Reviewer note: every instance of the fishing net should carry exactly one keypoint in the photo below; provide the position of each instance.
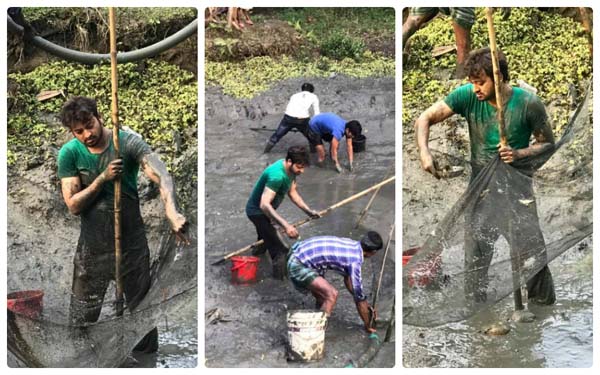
(503, 231)
(68, 332)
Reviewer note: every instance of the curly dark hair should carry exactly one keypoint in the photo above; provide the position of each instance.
(480, 60)
(77, 110)
(298, 155)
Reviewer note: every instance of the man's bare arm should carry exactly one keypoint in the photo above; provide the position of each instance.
(438, 112)
(156, 171)
(432, 115)
(299, 202)
(544, 139)
(350, 150)
(267, 208)
(77, 199)
(335, 144)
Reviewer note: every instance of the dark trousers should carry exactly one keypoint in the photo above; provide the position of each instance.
(288, 123)
(481, 232)
(267, 232)
(94, 265)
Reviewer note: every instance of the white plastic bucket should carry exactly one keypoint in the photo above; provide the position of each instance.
(306, 335)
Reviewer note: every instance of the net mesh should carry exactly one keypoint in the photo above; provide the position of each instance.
(503, 231)
(164, 283)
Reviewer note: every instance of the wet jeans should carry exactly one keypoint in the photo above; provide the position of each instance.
(288, 123)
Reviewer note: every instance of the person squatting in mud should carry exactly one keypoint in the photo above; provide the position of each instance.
(308, 260)
(87, 169)
(330, 127)
(525, 116)
(274, 183)
(296, 115)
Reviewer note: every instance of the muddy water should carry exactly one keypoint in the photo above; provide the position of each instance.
(561, 335)
(256, 333)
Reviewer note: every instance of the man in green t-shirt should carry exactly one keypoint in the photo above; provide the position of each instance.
(525, 116)
(273, 184)
(87, 168)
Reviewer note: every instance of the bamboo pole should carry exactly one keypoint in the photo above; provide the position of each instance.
(117, 181)
(364, 211)
(497, 84)
(515, 257)
(306, 220)
(376, 296)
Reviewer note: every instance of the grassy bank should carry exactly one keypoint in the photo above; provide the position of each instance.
(156, 99)
(548, 51)
(300, 42)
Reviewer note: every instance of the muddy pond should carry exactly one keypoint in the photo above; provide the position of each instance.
(252, 330)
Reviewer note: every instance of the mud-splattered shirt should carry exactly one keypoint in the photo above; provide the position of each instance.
(342, 255)
(524, 113)
(75, 160)
(276, 179)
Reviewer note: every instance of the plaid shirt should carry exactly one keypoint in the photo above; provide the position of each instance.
(342, 255)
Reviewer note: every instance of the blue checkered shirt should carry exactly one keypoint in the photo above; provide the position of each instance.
(342, 255)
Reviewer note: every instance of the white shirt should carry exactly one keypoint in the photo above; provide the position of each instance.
(300, 103)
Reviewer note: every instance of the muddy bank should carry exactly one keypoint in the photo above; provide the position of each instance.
(256, 335)
(86, 30)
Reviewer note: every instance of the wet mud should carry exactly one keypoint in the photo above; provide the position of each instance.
(253, 330)
(561, 334)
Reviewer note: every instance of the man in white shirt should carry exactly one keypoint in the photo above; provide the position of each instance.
(296, 114)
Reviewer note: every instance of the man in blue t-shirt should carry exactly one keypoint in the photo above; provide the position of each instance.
(330, 127)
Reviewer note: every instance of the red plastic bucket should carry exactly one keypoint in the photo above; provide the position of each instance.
(424, 273)
(243, 269)
(27, 302)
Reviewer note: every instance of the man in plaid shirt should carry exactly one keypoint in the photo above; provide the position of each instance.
(308, 261)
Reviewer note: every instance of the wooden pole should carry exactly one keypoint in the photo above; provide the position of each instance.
(364, 211)
(117, 181)
(515, 258)
(304, 221)
(497, 84)
(376, 296)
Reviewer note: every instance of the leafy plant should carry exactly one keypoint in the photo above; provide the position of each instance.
(157, 100)
(340, 46)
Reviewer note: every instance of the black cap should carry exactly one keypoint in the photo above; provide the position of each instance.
(371, 241)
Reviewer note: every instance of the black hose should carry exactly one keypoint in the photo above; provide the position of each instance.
(96, 58)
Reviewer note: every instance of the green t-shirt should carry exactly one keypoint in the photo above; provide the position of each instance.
(524, 113)
(74, 159)
(275, 178)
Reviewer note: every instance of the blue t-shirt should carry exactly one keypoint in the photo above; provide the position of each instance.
(328, 123)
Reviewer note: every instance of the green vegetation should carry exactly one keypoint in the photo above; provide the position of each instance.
(353, 22)
(249, 77)
(339, 46)
(546, 50)
(156, 99)
(318, 42)
(149, 15)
